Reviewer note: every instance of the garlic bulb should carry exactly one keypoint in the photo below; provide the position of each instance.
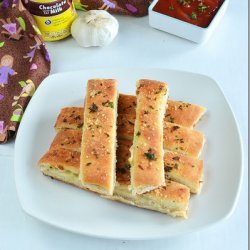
(94, 28)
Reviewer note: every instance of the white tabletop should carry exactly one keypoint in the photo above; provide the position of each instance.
(223, 57)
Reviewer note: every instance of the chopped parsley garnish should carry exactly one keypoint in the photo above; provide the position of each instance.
(185, 2)
(93, 108)
(150, 156)
(108, 104)
(193, 16)
(202, 7)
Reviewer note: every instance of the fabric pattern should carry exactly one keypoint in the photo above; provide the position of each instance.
(24, 63)
(125, 7)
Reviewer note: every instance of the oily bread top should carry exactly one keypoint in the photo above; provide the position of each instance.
(98, 152)
(147, 166)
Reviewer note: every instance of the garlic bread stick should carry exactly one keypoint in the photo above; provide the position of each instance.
(147, 165)
(98, 149)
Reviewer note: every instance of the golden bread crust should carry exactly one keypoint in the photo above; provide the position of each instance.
(172, 200)
(184, 114)
(183, 140)
(98, 152)
(172, 190)
(179, 112)
(62, 159)
(147, 166)
(184, 169)
(69, 139)
(70, 118)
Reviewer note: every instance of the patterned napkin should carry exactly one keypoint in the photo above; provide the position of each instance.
(126, 7)
(24, 63)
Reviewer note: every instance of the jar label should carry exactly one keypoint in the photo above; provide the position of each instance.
(54, 18)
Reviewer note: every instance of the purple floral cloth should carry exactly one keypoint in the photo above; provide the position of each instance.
(5, 71)
(24, 63)
(125, 7)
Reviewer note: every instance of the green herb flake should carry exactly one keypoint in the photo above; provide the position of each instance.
(93, 108)
(138, 133)
(202, 7)
(193, 16)
(185, 2)
(108, 104)
(150, 156)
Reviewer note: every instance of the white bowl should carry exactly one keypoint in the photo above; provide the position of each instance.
(183, 29)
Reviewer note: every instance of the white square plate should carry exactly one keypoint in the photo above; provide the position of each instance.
(80, 211)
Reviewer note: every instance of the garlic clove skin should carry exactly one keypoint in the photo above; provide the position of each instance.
(94, 28)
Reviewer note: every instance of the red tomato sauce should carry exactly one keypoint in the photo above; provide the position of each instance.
(197, 12)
